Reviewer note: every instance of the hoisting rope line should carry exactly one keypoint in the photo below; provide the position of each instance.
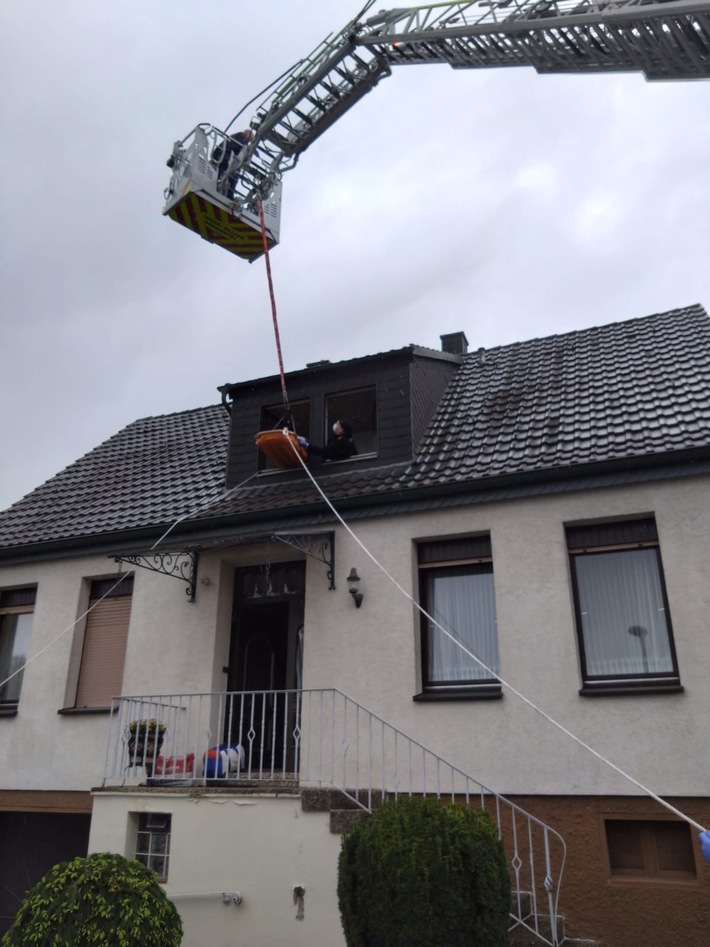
(223, 495)
(459, 644)
(284, 393)
(91, 607)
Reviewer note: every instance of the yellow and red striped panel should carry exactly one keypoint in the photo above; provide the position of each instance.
(215, 224)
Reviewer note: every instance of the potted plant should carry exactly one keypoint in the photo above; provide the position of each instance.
(145, 738)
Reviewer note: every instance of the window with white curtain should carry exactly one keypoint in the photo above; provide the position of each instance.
(456, 590)
(623, 624)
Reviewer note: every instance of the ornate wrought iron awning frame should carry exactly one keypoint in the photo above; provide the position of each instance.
(178, 565)
(320, 546)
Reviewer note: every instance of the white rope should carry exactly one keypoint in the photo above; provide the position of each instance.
(407, 595)
(223, 496)
(504, 683)
(66, 631)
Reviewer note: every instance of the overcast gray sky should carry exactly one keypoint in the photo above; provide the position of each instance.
(500, 202)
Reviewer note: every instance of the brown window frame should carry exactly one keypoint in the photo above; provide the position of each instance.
(468, 555)
(651, 837)
(14, 601)
(103, 651)
(618, 538)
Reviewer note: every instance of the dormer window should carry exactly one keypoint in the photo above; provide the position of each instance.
(359, 407)
(388, 401)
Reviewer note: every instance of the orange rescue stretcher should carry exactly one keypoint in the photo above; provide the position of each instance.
(278, 447)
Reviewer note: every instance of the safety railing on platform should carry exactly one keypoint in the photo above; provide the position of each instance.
(321, 738)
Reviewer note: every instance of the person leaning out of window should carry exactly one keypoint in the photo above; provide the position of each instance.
(340, 444)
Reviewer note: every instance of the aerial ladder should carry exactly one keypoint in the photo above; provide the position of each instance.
(228, 190)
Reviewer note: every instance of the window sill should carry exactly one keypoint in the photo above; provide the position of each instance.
(370, 455)
(83, 711)
(624, 690)
(633, 880)
(483, 692)
(9, 710)
(321, 464)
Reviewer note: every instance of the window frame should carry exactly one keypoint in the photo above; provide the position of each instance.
(93, 638)
(650, 849)
(331, 416)
(618, 537)
(11, 604)
(472, 553)
(151, 832)
(274, 412)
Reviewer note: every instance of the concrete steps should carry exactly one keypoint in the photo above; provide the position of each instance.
(344, 812)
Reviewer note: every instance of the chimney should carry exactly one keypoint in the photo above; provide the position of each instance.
(455, 343)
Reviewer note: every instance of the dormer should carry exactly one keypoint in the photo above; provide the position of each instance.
(388, 398)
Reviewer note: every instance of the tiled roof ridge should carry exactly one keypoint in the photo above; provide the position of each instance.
(629, 389)
(59, 485)
(168, 414)
(120, 434)
(694, 309)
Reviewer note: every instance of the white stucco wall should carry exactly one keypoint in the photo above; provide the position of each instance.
(261, 846)
(172, 646)
(371, 653)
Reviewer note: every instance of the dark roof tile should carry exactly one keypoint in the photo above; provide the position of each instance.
(616, 392)
(149, 473)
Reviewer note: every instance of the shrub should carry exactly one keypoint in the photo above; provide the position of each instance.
(103, 900)
(419, 873)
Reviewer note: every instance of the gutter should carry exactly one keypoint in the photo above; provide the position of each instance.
(193, 533)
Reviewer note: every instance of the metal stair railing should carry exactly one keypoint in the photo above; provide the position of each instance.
(321, 738)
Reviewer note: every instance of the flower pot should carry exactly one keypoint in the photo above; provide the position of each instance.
(144, 746)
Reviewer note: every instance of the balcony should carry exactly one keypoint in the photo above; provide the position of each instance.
(320, 739)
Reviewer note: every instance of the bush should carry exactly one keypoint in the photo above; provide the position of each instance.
(103, 900)
(419, 873)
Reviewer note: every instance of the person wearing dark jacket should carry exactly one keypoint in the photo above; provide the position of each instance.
(223, 154)
(340, 444)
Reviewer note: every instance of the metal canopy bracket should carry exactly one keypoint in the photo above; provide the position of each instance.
(320, 546)
(178, 565)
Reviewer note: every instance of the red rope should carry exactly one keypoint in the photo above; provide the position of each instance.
(265, 241)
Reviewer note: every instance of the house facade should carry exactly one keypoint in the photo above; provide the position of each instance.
(500, 599)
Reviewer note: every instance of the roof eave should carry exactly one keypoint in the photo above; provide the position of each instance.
(192, 532)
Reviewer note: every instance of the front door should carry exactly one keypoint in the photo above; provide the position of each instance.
(264, 664)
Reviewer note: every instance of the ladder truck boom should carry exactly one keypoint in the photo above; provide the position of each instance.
(218, 198)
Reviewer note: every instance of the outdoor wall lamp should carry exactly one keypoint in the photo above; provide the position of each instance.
(352, 581)
(231, 897)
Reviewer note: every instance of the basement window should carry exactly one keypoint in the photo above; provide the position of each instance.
(654, 850)
(153, 842)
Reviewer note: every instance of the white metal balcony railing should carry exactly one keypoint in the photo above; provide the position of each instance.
(322, 738)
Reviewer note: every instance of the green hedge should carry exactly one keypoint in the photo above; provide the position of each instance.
(103, 900)
(419, 873)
